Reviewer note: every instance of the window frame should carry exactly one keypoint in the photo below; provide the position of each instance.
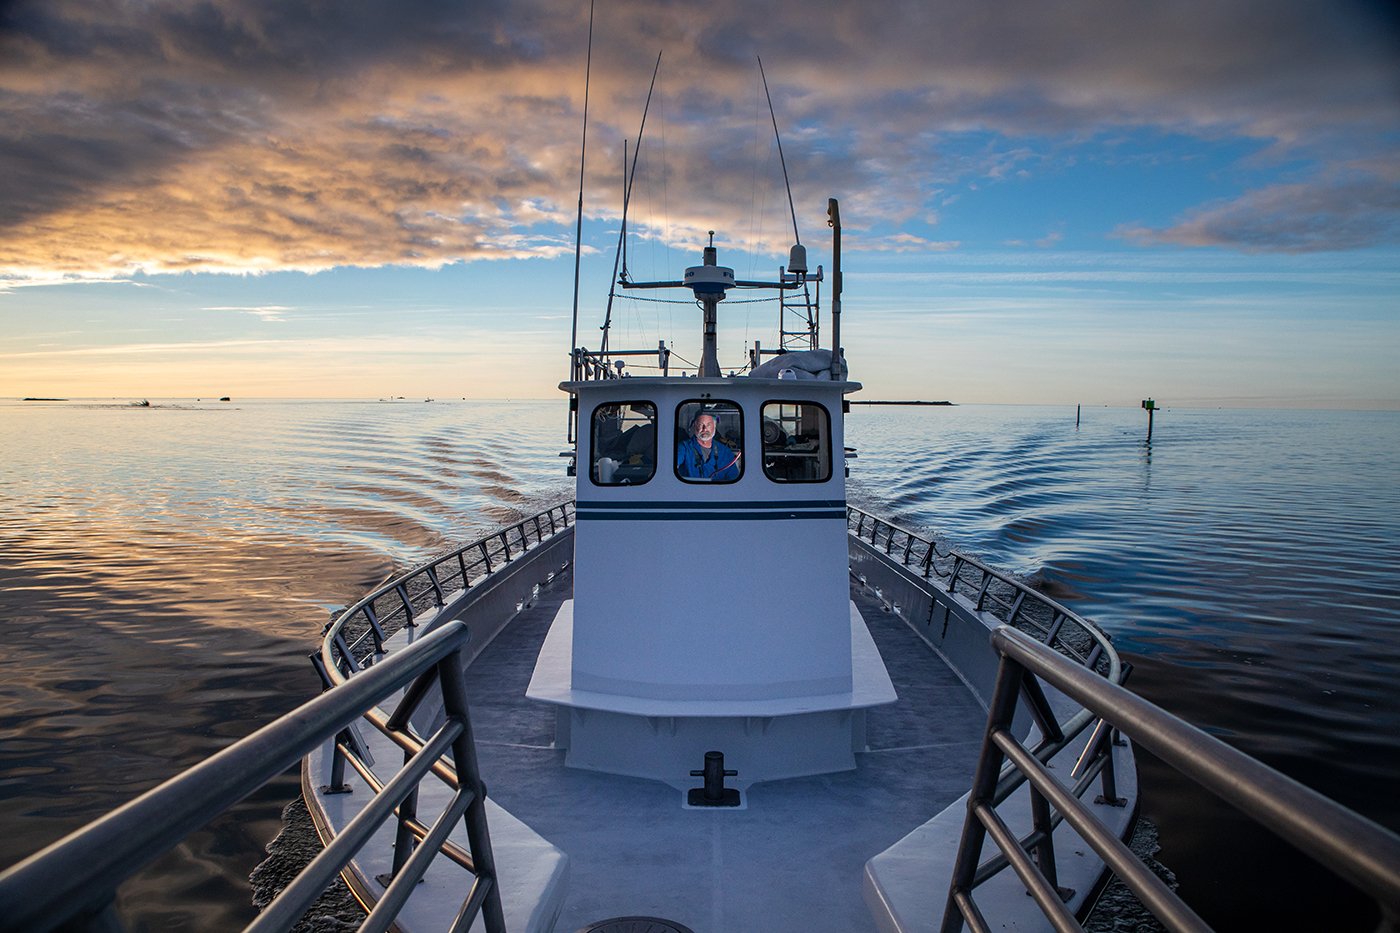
(706, 402)
(593, 441)
(830, 470)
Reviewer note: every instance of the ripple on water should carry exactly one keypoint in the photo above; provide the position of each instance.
(166, 574)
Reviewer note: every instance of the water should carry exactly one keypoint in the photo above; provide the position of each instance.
(166, 570)
(1246, 562)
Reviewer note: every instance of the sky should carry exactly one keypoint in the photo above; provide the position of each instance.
(1071, 202)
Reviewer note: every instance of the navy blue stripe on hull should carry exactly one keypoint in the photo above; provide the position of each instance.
(751, 506)
(627, 515)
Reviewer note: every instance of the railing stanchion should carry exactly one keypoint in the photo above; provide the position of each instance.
(437, 587)
(984, 782)
(404, 839)
(1044, 849)
(1016, 608)
(337, 783)
(454, 696)
(982, 590)
(347, 656)
(402, 590)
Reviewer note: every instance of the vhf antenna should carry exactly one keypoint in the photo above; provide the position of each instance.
(578, 230)
(626, 200)
(781, 161)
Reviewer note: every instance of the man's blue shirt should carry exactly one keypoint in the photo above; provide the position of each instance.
(721, 465)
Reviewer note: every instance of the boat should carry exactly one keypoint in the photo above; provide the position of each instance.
(709, 694)
(700, 701)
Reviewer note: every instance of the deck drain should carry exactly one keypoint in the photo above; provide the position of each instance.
(636, 925)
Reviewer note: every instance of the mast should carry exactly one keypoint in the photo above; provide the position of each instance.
(709, 299)
(578, 224)
(626, 202)
(838, 362)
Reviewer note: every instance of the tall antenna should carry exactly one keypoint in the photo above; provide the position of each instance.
(795, 235)
(626, 200)
(578, 227)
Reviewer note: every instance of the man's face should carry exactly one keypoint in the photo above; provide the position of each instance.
(705, 429)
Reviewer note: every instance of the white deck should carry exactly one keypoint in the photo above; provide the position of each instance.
(792, 859)
(848, 851)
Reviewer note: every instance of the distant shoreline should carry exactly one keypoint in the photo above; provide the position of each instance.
(895, 402)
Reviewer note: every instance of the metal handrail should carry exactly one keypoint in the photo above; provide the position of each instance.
(356, 638)
(72, 884)
(591, 366)
(948, 575)
(991, 591)
(1360, 851)
(356, 641)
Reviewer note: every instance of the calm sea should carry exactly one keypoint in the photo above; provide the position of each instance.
(164, 572)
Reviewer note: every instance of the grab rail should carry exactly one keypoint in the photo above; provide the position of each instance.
(591, 366)
(989, 590)
(72, 884)
(1362, 852)
(356, 638)
(949, 576)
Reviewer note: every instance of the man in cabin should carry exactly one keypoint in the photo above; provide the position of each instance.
(701, 456)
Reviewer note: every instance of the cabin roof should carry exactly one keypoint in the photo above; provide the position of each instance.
(790, 386)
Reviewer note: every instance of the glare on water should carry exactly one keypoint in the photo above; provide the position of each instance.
(166, 570)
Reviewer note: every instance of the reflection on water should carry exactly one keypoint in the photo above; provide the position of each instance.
(167, 569)
(1249, 567)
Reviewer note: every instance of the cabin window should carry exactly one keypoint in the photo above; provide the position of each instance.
(624, 444)
(709, 441)
(796, 442)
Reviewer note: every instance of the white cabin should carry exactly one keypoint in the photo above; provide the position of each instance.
(710, 612)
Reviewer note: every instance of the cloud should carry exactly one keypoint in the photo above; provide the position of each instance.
(231, 135)
(1049, 241)
(900, 243)
(268, 313)
(1348, 210)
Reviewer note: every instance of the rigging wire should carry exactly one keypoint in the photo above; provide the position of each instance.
(583, 152)
(665, 191)
(626, 199)
(578, 227)
(786, 184)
